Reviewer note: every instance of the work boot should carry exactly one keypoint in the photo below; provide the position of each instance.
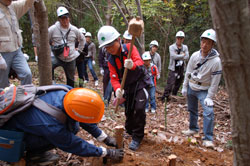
(42, 159)
(96, 82)
(134, 145)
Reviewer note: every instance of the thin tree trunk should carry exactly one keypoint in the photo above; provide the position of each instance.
(44, 59)
(142, 38)
(231, 22)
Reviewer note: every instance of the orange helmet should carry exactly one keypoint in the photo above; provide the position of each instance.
(84, 105)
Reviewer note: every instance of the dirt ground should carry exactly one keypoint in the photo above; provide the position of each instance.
(162, 134)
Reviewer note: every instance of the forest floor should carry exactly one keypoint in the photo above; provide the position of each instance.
(160, 141)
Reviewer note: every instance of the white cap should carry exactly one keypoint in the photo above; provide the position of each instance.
(62, 11)
(146, 56)
(210, 34)
(153, 43)
(180, 34)
(127, 36)
(88, 34)
(82, 30)
(106, 35)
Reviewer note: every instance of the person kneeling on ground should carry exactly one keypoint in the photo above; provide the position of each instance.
(44, 132)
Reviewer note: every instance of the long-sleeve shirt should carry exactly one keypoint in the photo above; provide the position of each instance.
(184, 55)
(10, 34)
(209, 73)
(103, 58)
(41, 129)
(56, 38)
(156, 60)
(91, 50)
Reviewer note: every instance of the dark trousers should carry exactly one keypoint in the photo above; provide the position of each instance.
(106, 79)
(174, 82)
(135, 114)
(68, 67)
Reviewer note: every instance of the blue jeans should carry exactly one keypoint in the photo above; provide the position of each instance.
(151, 98)
(89, 62)
(208, 113)
(18, 63)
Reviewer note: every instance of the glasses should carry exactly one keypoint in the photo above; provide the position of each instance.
(110, 44)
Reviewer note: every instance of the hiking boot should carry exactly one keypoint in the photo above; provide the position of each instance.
(208, 144)
(189, 132)
(153, 110)
(96, 82)
(42, 159)
(134, 145)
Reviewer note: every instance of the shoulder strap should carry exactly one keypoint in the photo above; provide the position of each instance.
(51, 87)
(200, 64)
(50, 109)
(66, 35)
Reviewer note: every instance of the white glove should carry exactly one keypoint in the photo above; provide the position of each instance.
(119, 93)
(3, 65)
(93, 63)
(128, 63)
(158, 77)
(36, 58)
(26, 57)
(102, 72)
(208, 102)
(184, 91)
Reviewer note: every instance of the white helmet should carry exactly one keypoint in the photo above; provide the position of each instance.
(82, 30)
(106, 35)
(127, 36)
(62, 11)
(153, 43)
(210, 34)
(88, 34)
(146, 56)
(180, 34)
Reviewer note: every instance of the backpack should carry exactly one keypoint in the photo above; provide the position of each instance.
(15, 99)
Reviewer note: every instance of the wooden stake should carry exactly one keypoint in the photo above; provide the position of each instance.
(172, 160)
(119, 136)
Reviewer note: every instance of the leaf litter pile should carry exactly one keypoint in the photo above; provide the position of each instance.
(160, 141)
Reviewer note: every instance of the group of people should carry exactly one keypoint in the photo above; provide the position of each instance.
(43, 132)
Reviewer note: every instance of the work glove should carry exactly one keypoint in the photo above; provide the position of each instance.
(115, 153)
(26, 57)
(119, 93)
(158, 77)
(110, 141)
(184, 91)
(208, 102)
(102, 72)
(3, 65)
(128, 63)
(36, 58)
(93, 63)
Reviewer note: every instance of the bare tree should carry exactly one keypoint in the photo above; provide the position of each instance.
(231, 22)
(44, 59)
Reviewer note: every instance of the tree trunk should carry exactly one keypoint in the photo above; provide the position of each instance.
(43, 48)
(231, 22)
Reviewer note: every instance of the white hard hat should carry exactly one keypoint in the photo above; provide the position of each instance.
(146, 56)
(82, 30)
(210, 34)
(62, 11)
(106, 35)
(180, 34)
(127, 36)
(88, 34)
(153, 43)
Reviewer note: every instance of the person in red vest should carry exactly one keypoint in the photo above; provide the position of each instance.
(137, 81)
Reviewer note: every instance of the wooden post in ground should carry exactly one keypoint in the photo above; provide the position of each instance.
(172, 160)
(119, 136)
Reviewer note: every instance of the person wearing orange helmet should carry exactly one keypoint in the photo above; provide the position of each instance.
(44, 132)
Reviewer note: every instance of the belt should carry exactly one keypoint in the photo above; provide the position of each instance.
(199, 83)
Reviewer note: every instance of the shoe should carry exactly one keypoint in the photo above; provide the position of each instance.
(146, 110)
(96, 82)
(189, 132)
(208, 144)
(134, 145)
(42, 159)
(153, 111)
(85, 81)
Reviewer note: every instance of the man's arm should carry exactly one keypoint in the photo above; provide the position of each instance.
(81, 39)
(135, 56)
(174, 55)
(186, 53)
(114, 78)
(21, 7)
